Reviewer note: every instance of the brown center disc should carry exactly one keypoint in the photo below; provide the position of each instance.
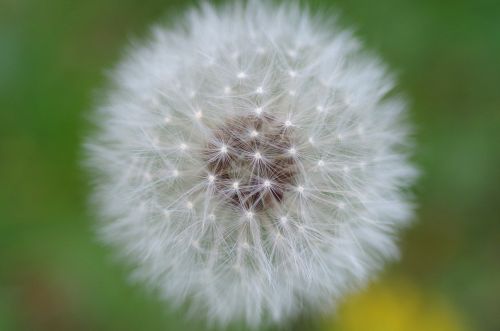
(250, 158)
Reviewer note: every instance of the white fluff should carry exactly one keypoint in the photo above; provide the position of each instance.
(334, 227)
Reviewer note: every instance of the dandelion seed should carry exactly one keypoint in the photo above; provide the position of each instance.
(283, 220)
(292, 53)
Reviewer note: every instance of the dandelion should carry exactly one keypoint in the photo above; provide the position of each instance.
(395, 305)
(250, 161)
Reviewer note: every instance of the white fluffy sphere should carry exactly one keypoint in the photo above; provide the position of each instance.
(250, 160)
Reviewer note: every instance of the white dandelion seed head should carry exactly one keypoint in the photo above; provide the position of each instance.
(251, 161)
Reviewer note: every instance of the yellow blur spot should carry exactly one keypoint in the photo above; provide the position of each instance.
(394, 306)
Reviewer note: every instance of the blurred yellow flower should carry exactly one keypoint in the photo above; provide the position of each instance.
(394, 306)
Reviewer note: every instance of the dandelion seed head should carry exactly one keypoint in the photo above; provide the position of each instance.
(251, 162)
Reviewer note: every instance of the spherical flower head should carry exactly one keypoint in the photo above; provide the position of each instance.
(249, 160)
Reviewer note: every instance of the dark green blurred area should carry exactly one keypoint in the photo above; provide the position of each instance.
(53, 56)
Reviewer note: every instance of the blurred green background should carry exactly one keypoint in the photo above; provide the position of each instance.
(55, 276)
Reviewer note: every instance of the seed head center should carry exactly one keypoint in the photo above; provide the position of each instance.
(261, 164)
